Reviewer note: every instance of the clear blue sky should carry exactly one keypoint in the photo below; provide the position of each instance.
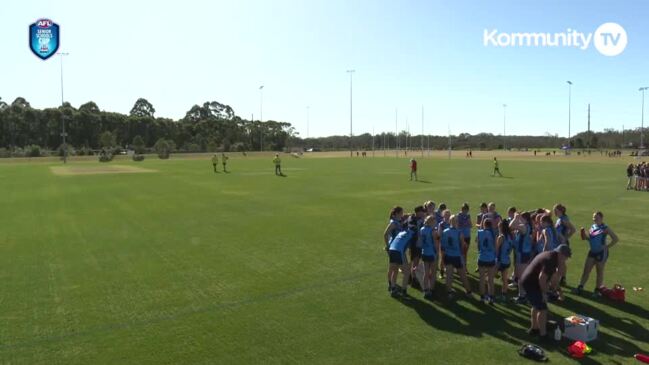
(406, 54)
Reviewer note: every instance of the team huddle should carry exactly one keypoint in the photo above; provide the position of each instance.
(530, 245)
(638, 177)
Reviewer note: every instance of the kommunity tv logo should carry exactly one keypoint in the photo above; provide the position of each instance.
(610, 39)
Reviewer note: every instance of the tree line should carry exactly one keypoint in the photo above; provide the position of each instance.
(213, 126)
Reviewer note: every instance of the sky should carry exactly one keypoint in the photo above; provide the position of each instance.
(407, 56)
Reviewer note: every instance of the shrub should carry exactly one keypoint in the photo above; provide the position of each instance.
(33, 151)
(162, 148)
(105, 156)
(138, 158)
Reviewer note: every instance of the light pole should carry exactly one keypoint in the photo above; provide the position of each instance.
(569, 106)
(504, 127)
(307, 121)
(422, 131)
(63, 133)
(351, 103)
(642, 120)
(261, 118)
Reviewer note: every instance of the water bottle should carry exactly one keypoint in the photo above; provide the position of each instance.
(557, 334)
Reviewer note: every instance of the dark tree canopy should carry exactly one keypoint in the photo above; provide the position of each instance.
(142, 108)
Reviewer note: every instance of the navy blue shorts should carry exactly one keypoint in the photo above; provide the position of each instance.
(523, 258)
(598, 256)
(396, 257)
(503, 267)
(535, 299)
(415, 252)
(456, 261)
(486, 263)
(428, 258)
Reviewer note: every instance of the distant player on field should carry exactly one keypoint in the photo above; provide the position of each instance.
(215, 161)
(278, 165)
(496, 168)
(224, 160)
(413, 169)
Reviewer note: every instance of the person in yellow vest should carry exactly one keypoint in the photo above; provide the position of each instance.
(278, 165)
(224, 160)
(215, 161)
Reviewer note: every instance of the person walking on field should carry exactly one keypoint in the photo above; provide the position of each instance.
(413, 169)
(496, 168)
(224, 160)
(278, 165)
(215, 161)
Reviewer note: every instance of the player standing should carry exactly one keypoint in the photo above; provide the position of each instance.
(598, 254)
(413, 169)
(451, 245)
(215, 161)
(224, 161)
(278, 165)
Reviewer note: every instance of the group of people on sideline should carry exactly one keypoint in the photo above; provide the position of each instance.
(637, 176)
(527, 250)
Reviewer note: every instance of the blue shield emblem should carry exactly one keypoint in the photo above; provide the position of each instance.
(44, 38)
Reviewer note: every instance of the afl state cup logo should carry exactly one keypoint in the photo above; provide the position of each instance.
(44, 38)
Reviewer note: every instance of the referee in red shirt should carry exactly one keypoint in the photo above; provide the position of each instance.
(413, 169)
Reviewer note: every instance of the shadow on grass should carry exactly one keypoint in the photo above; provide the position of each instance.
(476, 319)
(424, 181)
(626, 328)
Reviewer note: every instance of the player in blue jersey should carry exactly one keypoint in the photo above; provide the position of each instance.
(395, 225)
(429, 248)
(522, 228)
(481, 214)
(451, 245)
(442, 223)
(464, 224)
(486, 242)
(398, 260)
(598, 254)
(416, 219)
(439, 214)
(504, 246)
(564, 227)
(549, 235)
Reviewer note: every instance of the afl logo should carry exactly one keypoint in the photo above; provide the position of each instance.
(44, 23)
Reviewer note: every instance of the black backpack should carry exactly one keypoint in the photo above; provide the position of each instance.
(533, 352)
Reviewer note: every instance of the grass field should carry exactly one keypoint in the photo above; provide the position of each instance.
(184, 266)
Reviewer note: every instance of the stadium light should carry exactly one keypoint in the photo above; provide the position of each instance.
(351, 103)
(63, 133)
(642, 89)
(261, 118)
(569, 105)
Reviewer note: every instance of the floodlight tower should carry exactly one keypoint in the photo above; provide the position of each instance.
(569, 106)
(351, 103)
(642, 89)
(63, 133)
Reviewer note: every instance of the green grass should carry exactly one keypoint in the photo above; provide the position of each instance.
(187, 266)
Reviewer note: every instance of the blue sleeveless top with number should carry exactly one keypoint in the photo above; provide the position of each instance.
(427, 241)
(597, 237)
(451, 242)
(524, 241)
(400, 242)
(395, 231)
(464, 223)
(554, 240)
(487, 246)
(560, 225)
(505, 250)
